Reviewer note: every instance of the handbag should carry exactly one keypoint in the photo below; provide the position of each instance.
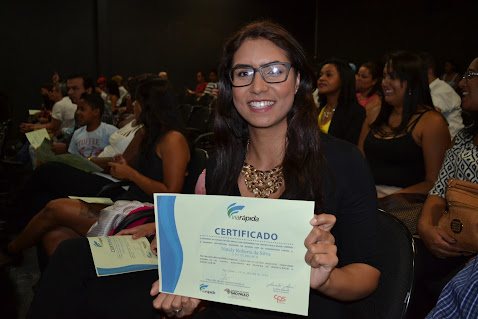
(111, 216)
(404, 206)
(460, 220)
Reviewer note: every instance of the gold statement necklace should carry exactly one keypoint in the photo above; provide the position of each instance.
(262, 183)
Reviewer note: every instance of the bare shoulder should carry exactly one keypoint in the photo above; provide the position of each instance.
(433, 125)
(173, 142)
(172, 137)
(433, 118)
(372, 114)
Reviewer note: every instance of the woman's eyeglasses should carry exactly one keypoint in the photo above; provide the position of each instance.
(469, 75)
(274, 72)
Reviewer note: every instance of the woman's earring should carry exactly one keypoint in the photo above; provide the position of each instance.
(410, 92)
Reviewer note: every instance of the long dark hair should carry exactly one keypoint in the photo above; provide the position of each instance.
(303, 154)
(376, 74)
(408, 67)
(159, 111)
(347, 95)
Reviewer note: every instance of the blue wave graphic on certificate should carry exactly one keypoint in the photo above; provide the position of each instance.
(124, 269)
(170, 245)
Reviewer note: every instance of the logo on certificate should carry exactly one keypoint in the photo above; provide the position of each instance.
(280, 299)
(202, 288)
(233, 210)
(237, 294)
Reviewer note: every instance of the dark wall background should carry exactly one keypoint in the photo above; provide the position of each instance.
(106, 37)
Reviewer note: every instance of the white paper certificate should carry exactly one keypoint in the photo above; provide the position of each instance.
(36, 137)
(235, 250)
(115, 255)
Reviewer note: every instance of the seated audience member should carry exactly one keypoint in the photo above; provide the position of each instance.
(101, 87)
(77, 85)
(45, 108)
(340, 114)
(201, 86)
(405, 140)
(444, 98)
(211, 87)
(451, 77)
(122, 90)
(112, 94)
(160, 167)
(458, 298)
(368, 85)
(461, 162)
(54, 180)
(287, 139)
(63, 113)
(93, 135)
(210, 93)
(44, 91)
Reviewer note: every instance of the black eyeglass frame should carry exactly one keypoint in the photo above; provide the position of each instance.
(259, 69)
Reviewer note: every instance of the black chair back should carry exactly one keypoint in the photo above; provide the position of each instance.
(185, 112)
(397, 261)
(196, 165)
(199, 118)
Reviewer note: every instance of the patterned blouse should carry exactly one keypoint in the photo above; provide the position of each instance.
(461, 162)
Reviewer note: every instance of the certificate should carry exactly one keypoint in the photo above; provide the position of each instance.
(36, 137)
(236, 250)
(115, 255)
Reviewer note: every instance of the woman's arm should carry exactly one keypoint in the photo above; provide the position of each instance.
(371, 116)
(434, 138)
(435, 239)
(174, 151)
(102, 162)
(52, 126)
(132, 150)
(129, 154)
(374, 104)
(352, 282)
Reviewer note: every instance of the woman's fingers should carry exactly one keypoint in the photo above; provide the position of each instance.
(323, 221)
(173, 305)
(317, 236)
(154, 246)
(154, 288)
(129, 231)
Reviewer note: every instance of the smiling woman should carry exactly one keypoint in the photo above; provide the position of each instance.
(265, 124)
(340, 113)
(405, 140)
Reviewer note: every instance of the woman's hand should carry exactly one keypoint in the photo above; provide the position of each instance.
(139, 231)
(121, 171)
(172, 305)
(321, 250)
(438, 242)
(435, 239)
(154, 246)
(27, 127)
(118, 158)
